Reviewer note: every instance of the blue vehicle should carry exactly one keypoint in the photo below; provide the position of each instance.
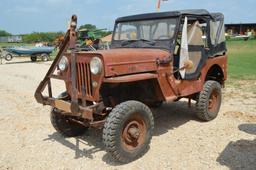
(33, 52)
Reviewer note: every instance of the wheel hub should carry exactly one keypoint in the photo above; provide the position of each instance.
(212, 103)
(133, 134)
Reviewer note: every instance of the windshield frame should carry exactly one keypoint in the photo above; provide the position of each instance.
(167, 44)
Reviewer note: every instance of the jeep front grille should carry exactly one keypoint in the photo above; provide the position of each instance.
(84, 81)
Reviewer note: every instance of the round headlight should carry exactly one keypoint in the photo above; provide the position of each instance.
(96, 65)
(63, 64)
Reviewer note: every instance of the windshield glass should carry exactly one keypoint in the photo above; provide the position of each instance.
(151, 30)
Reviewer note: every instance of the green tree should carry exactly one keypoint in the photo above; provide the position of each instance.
(41, 37)
(4, 33)
(88, 27)
(93, 31)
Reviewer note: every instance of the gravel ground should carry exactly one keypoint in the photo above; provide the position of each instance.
(180, 141)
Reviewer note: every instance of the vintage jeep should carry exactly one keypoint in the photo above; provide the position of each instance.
(154, 58)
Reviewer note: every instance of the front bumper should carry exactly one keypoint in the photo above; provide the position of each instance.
(84, 112)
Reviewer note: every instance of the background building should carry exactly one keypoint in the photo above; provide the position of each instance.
(13, 38)
(241, 29)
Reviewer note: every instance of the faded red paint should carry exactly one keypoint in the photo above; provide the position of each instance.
(122, 66)
(128, 61)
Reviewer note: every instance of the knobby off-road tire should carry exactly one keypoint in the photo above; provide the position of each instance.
(209, 101)
(128, 131)
(64, 125)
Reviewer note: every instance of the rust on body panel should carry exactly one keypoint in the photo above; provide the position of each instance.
(187, 87)
(116, 64)
(128, 61)
(69, 42)
(130, 78)
(220, 61)
(167, 91)
(84, 77)
(172, 88)
(65, 106)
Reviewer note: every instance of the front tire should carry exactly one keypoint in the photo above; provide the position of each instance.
(33, 58)
(128, 131)
(209, 101)
(64, 124)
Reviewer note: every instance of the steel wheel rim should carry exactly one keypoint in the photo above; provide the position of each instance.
(213, 101)
(133, 133)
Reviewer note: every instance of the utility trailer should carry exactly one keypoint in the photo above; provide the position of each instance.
(33, 52)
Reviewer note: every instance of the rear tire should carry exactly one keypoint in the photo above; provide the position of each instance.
(65, 126)
(128, 131)
(45, 57)
(8, 57)
(209, 101)
(33, 58)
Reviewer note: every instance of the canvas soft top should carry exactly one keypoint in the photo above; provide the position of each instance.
(158, 15)
(217, 16)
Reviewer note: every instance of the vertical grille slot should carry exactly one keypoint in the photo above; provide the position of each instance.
(83, 81)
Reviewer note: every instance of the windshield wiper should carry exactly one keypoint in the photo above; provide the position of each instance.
(126, 42)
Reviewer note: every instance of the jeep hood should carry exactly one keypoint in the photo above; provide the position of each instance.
(129, 61)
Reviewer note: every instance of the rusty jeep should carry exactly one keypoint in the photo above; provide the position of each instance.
(154, 58)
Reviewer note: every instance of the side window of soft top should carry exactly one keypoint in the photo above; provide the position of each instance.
(217, 32)
(197, 34)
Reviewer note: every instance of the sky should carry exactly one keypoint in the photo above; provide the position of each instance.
(26, 16)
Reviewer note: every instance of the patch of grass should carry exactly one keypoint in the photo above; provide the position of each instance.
(242, 59)
(14, 44)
